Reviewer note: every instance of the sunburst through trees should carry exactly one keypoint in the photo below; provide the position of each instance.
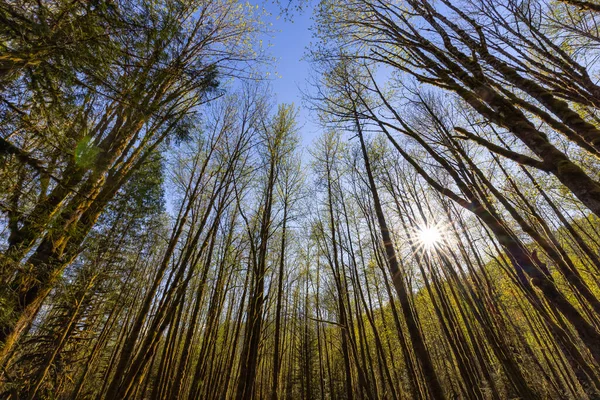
(429, 237)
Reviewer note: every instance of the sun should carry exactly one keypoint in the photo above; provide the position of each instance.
(429, 236)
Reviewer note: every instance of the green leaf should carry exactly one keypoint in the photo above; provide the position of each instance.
(86, 152)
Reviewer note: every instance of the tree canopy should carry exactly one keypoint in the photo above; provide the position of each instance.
(165, 234)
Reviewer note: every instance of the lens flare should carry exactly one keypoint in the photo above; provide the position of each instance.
(429, 236)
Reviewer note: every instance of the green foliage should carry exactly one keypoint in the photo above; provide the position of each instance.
(86, 152)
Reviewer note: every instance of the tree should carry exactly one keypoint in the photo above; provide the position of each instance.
(150, 94)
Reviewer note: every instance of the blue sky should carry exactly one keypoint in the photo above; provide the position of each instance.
(288, 45)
